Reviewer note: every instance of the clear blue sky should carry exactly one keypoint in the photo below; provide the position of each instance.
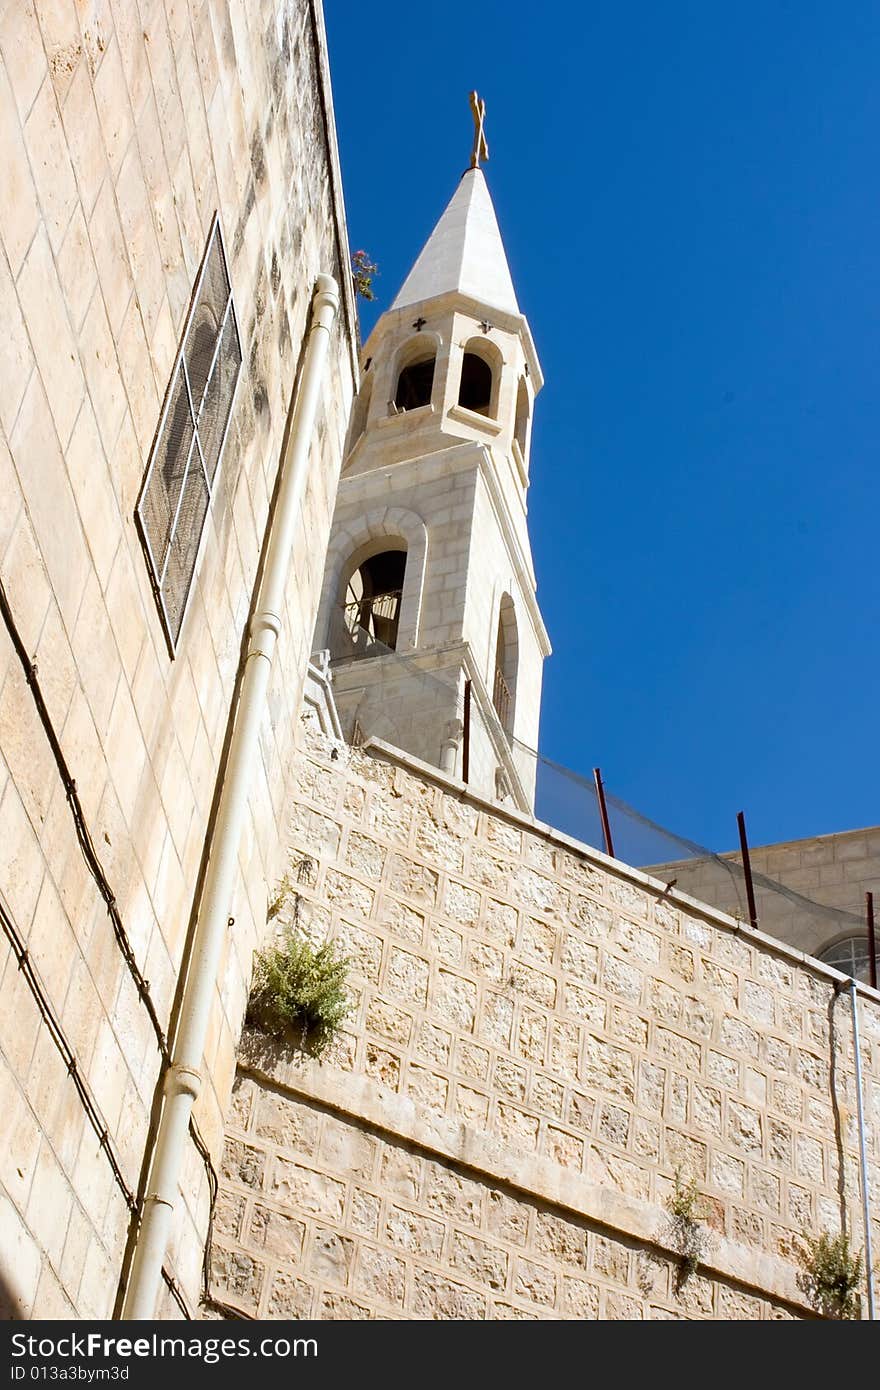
(689, 197)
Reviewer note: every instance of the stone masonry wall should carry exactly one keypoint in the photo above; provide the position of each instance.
(124, 126)
(324, 1216)
(541, 1039)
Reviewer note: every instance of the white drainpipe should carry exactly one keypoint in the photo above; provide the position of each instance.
(863, 1158)
(183, 1079)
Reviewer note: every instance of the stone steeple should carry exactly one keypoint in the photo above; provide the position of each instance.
(429, 598)
(464, 253)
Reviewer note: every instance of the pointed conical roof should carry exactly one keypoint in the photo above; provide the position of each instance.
(464, 252)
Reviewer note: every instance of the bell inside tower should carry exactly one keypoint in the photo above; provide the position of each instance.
(372, 601)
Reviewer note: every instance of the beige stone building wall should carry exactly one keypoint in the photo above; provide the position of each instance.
(124, 126)
(834, 871)
(541, 1038)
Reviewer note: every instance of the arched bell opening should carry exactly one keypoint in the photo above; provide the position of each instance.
(371, 604)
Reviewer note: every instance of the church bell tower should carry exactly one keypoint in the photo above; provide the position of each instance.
(428, 607)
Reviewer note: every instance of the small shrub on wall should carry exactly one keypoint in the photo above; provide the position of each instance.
(299, 994)
(831, 1275)
(685, 1231)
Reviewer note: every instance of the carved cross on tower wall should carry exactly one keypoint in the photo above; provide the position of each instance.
(481, 149)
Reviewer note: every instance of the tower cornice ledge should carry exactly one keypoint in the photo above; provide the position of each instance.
(480, 309)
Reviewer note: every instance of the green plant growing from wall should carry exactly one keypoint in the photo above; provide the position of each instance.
(299, 992)
(363, 271)
(685, 1230)
(283, 895)
(831, 1275)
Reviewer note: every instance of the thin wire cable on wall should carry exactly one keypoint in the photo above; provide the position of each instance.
(93, 863)
(89, 1104)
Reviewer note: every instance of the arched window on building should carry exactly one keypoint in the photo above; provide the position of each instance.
(850, 955)
(521, 427)
(506, 660)
(480, 376)
(371, 606)
(415, 382)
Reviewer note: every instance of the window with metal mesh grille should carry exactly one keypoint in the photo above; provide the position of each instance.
(182, 469)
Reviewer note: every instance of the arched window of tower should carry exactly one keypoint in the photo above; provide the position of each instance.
(506, 661)
(480, 381)
(415, 383)
(371, 606)
(477, 380)
(521, 428)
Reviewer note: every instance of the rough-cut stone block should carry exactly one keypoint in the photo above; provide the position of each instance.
(339, 1307)
(291, 1297)
(276, 1232)
(580, 958)
(452, 1194)
(286, 1123)
(402, 920)
(331, 1256)
(534, 1283)
(531, 1042)
(244, 1164)
(307, 1190)
(427, 1088)
(414, 1232)
(580, 1299)
(411, 880)
(744, 1128)
(364, 1211)
(237, 1277)
(381, 1276)
(738, 1037)
(347, 894)
(560, 1240)
(406, 976)
(478, 1260)
(535, 984)
(401, 1173)
(383, 1065)
(461, 904)
(365, 856)
(448, 945)
(439, 1298)
(614, 1125)
(609, 1069)
(500, 921)
(389, 1022)
(434, 1044)
(456, 1000)
(347, 1149)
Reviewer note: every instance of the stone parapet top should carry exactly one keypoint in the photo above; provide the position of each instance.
(367, 1101)
(379, 749)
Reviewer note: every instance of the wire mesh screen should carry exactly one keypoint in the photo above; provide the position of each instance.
(416, 702)
(176, 493)
(568, 802)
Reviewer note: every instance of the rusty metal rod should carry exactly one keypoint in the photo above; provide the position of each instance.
(466, 735)
(603, 812)
(747, 868)
(872, 940)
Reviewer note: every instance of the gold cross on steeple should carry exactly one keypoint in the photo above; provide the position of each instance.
(481, 149)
